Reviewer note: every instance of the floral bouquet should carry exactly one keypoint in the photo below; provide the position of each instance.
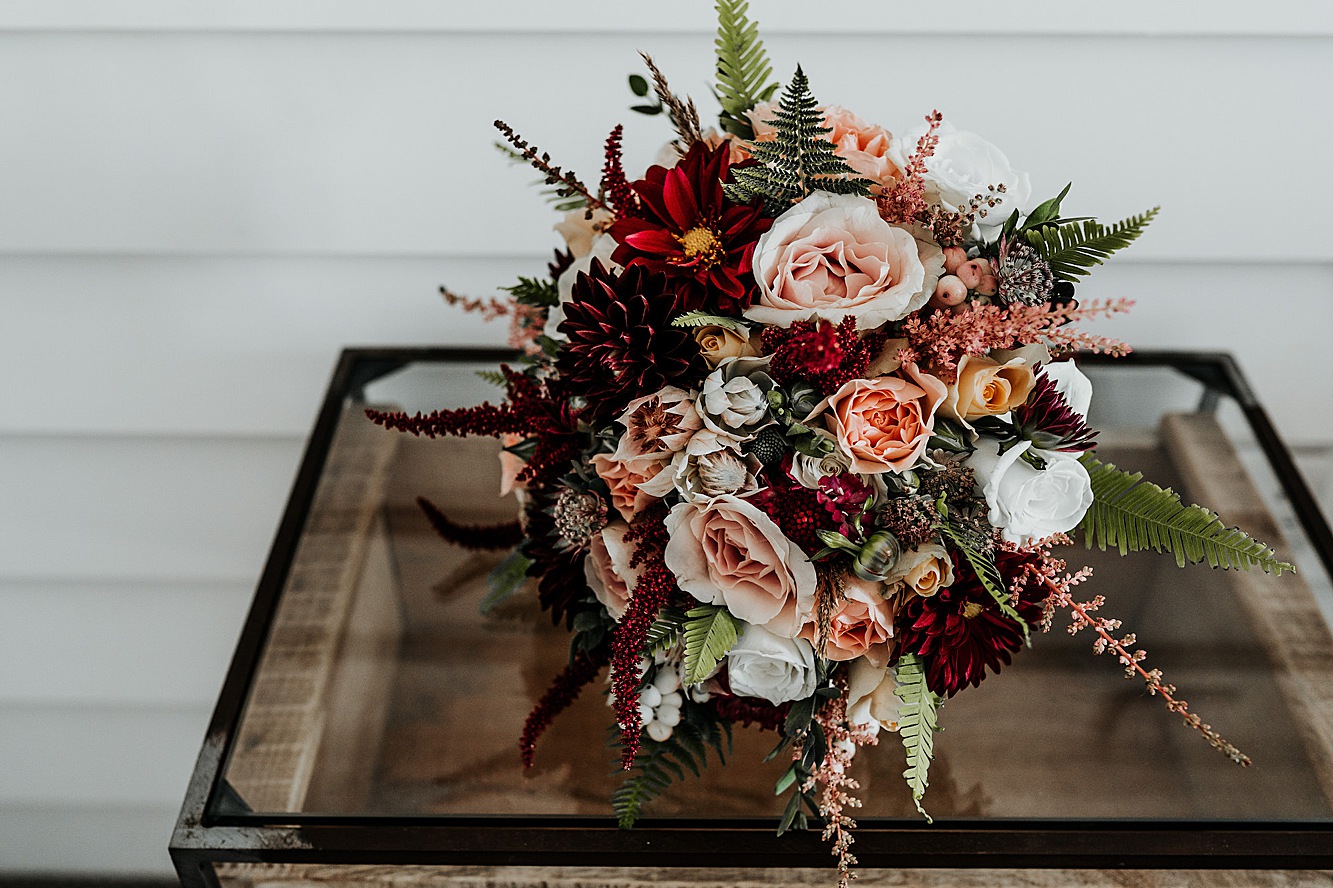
(795, 434)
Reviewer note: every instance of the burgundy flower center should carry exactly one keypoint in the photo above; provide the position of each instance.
(972, 610)
(651, 423)
(703, 245)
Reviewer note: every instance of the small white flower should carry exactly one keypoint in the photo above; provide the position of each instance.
(1027, 503)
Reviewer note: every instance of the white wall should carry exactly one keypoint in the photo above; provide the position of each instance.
(200, 204)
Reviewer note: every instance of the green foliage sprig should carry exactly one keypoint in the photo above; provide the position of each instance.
(658, 764)
(699, 318)
(710, 633)
(798, 161)
(504, 580)
(1073, 247)
(1132, 514)
(743, 71)
(918, 719)
(538, 292)
(666, 630)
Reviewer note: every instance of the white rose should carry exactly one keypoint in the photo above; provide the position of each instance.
(870, 698)
(765, 665)
(1026, 503)
(730, 402)
(807, 470)
(832, 256)
(1070, 382)
(963, 166)
(602, 247)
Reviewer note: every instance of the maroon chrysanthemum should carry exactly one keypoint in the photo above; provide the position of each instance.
(688, 230)
(959, 632)
(621, 342)
(1049, 423)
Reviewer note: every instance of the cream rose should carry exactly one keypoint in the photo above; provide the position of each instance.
(962, 166)
(607, 569)
(1027, 503)
(985, 387)
(579, 231)
(832, 256)
(861, 625)
(725, 551)
(884, 424)
(923, 571)
(771, 667)
(716, 344)
(871, 701)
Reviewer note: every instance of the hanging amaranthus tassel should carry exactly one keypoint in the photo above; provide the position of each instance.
(478, 537)
(564, 690)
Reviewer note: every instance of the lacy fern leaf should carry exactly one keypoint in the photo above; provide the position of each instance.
(1132, 514)
(917, 719)
(1073, 248)
(709, 635)
(991, 579)
(666, 630)
(704, 319)
(659, 764)
(798, 161)
(743, 71)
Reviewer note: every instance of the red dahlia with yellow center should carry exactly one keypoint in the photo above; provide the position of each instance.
(687, 230)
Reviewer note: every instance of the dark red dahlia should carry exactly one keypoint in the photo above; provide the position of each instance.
(1049, 423)
(959, 632)
(621, 342)
(686, 229)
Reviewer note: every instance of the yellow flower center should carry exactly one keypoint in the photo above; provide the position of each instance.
(972, 610)
(703, 244)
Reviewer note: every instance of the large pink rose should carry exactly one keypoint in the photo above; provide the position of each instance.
(862, 144)
(607, 569)
(725, 551)
(832, 256)
(625, 477)
(861, 625)
(883, 424)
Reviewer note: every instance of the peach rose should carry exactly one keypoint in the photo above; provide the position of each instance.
(832, 256)
(883, 424)
(624, 477)
(607, 569)
(579, 231)
(861, 625)
(922, 571)
(510, 465)
(985, 387)
(862, 144)
(716, 344)
(725, 551)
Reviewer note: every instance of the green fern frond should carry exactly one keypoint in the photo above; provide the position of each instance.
(743, 71)
(985, 569)
(539, 292)
(665, 630)
(1073, 248)
(659, 764)
(917, 719)
(1132, 514)
(700, 318)
(494, 377)
(709, 635)
(798, 161)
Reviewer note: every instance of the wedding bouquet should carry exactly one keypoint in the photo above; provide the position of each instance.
(795, 433)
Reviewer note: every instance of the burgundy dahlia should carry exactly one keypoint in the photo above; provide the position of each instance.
(1049, 423)
(687, 230)
(959, 632)
(621, 343)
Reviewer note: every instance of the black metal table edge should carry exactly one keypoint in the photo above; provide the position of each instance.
(202, 837)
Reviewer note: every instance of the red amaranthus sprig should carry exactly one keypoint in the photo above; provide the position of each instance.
(834, 785)
(564, 690)
(824, 354)
(1051, 571)
(478, 537)
(615, 185)
(942, 339)
(655, 589)
(746, 711)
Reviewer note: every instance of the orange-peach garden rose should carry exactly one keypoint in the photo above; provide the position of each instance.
(884, 424)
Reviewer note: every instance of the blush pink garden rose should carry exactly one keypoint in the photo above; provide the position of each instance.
(861, 625)
(625, 477)
(864, 145)
(832, 256)
(607, 569)
(725, 551)
(884, 424)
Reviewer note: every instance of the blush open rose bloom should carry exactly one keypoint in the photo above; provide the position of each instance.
(861, 625)
(884, 424)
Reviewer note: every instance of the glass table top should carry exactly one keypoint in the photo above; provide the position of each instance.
(376, 690)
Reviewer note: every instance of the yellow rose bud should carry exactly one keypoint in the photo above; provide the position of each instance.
(985, 387)
(716, 344)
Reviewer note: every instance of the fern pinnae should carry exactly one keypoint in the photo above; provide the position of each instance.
(710, 633)
(659, 764)
(699, 318)
(666, 630)
(989, 575)
(918, 717)
(1132, 514)
(743, 70)
(1074, 247)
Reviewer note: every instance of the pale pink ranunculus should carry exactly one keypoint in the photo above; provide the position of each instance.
(861, 625)
(864, 145)
(608, 570)
(725, 551)
(884, 424)
(624, 477)
(832, 256)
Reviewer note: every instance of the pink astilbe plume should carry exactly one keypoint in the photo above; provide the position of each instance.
(834, 785)
(489, 308)
(942, 339)
(905, 200)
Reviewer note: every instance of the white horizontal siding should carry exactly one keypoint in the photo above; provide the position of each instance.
(380, 144)
(1285, 17)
